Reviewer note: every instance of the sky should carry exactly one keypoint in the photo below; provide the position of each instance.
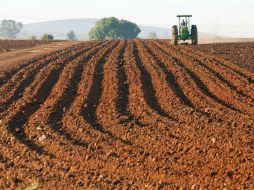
(233, 18)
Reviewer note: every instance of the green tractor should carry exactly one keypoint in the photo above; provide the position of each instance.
(184, 31)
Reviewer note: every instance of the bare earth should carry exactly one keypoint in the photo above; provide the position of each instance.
(134, 114)
(14, 57)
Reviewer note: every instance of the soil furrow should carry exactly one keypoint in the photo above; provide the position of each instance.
(66, 100)
(245, 84)
(123, 86)
(230, 79)
(200, 84)
(128, 114)
(60, 97)
(33, 64)
(93, 99)
(171, 80)
(32, 101)
(109, 96)
(185, 81)
(29, 75)
(216, 83)
(147, 85)
(226, 64)
(15, 125)
(107, 111)
(137, 103)
(166, 96)
(8, 74)
(74, 119)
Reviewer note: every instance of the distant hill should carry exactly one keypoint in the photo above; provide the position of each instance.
(60, 28)
(81, 27)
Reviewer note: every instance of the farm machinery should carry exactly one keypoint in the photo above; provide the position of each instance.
(184, 31)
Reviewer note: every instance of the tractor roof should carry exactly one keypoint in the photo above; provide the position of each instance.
(184, 15)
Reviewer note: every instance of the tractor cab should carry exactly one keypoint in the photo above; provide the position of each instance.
(184, 31)
(184, 26)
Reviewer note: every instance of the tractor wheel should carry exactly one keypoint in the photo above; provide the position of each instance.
(194, 34)
(174, 35)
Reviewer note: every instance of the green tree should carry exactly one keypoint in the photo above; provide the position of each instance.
(71, 35)
(152, 35)
(47, 37)
(10, 28)
(106, 27)
(114, 28)
(128, 29)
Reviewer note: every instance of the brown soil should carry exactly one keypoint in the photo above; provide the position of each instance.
(9, 45)
(239, 53)
(135, 114)
(19, 56)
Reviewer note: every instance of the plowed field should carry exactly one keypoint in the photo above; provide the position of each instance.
(135, 114)
(240, 53)
(6, 45)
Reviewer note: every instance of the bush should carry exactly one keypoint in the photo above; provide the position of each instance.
(47, 37)
(71, 35)
(152, 35)
(33, 38)
(112, 28)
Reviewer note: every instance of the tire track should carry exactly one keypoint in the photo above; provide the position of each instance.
(200, 84)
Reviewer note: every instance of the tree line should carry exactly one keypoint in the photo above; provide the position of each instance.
(10, 28)
(106, 28)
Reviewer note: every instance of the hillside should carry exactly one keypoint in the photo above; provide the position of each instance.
(81, 27)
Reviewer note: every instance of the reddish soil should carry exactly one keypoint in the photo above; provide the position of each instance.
(7, 45)
(239, 53)
(135, 114)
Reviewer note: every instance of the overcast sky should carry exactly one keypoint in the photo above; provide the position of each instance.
(223, 17)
